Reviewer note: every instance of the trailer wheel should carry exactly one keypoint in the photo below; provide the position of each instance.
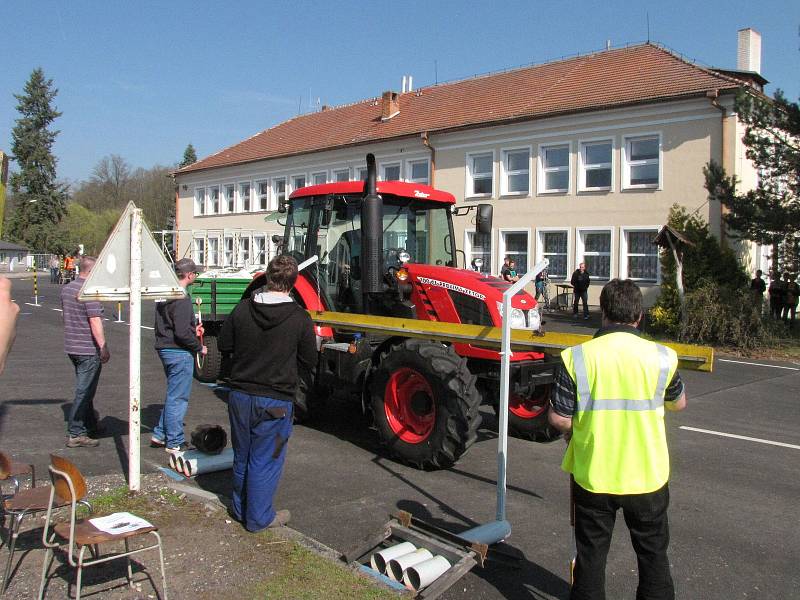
(424, 403)
(527, 417)
(207, 368)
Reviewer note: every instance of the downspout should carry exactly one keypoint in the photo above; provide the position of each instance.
(713, 96)
(426, 140)
(176, 244)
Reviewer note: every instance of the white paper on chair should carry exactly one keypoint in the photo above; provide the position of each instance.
(121, 522)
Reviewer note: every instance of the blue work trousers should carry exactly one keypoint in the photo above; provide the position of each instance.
(82, 419)
(259, 436)
(178, 367)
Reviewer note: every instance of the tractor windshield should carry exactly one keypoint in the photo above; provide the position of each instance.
(421, 229)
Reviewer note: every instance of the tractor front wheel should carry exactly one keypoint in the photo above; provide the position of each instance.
(424, 403)
(527, 417)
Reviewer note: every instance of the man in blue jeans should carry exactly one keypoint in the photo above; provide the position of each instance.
(176, 343)
(85, 345)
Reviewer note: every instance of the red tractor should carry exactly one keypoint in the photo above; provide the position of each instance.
(387, 248)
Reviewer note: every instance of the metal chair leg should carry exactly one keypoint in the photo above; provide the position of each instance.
(161, 559)
(80, 573)
(11, 545)
(48, 560)
(128, 561)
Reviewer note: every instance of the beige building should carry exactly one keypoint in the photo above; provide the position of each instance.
(581, 158)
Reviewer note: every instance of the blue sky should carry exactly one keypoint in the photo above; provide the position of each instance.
(142, 79)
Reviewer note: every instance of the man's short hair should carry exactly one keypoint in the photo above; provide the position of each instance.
(281, 273)
(621, 301)
(87, 263)
(759, 272)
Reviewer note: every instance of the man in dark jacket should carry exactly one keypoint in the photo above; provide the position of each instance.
(580, 290)
(176, 343)
(272, 341)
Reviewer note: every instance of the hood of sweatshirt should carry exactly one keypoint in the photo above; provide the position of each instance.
(269, 309)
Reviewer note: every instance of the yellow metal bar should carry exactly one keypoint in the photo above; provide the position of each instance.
(695, 358)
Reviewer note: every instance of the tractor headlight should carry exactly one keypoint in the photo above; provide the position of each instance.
(517, 317)
(534, 319)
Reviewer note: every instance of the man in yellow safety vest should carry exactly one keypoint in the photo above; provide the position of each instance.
(608, 398)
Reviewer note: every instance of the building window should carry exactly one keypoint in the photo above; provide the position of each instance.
(244, 251)
(554, 169)
(642, 162)
(213, 251)
(361, 174)
(480, 174)
(262, 189)
(230, 198)
(594, 249)
(278, 192)
(227, 259)
(200, 202)
(479, 245)
(595, 168)
(553, 246)
(259, 250)
(213, 200)
(298, 181)
(516, 172)
(341, 175)
(390, 172)
(515, 246)
(199, 251)
(319, 178)
(640, 255)
(418, 171)
(244, 197)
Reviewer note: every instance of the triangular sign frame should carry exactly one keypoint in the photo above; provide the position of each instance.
(110, 279)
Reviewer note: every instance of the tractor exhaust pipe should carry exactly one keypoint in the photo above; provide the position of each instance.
(371, 236)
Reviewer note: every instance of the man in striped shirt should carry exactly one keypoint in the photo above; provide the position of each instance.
(85, 345)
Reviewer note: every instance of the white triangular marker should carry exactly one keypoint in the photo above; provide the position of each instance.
(110, 277)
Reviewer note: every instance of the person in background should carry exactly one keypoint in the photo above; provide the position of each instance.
(776, 293)
(790, 297)
(758, 286)
(8, 321)
(580, 290)
(69, 268)
(177, 343)
(272, 344)
(509, 272)
(54, 265)
(85, 345)
(540, 282)
(608, 399)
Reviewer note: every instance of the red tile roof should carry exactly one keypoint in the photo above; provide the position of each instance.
(612, 78)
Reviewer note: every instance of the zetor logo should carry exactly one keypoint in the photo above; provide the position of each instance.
(418, 194)
(452, 286)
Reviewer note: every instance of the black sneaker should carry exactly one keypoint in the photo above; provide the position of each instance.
(82, 441)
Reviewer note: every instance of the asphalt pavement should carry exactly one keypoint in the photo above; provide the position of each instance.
(734, 485)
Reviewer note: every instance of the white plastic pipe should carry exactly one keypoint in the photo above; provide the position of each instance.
(379, 559)
(397, 566)
(425, 573)
(199, 463)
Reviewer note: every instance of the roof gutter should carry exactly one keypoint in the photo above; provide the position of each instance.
(426, 140)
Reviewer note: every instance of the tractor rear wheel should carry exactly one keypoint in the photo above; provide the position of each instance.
(424, 403)
(207, 368)
(527, 417)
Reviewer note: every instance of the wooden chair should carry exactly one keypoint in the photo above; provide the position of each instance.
(18, 505)
(69, 487)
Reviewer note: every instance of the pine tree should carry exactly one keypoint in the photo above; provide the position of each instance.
(40, 199)
(189, 156)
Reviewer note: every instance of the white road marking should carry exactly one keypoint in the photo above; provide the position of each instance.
(57, 309)
(31, 304)
(146, 327)
(22, 313)
(741, 362)
(741, 437)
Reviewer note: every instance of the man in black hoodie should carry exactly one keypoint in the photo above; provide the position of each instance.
(271, 339)
(580, 290)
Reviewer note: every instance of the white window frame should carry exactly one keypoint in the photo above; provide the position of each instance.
(505, 172)
(240, 198)
(580, 252)
(225, 261)
(468, 249)
(582, 166)
(410, 169)
(256, 203)
(623, 253)
(541, 171)
(199, 257)
(501, 245)
(228, 204)
(297, 176)
(213, 260)
(335, 174)
(470, 179)
(626, 164)
(201, 204)
(391, 165)
(314, 177)
(356, 175)
(210, 209)
(540, 231)
(264, 248)
(243, 255)
(275, 200)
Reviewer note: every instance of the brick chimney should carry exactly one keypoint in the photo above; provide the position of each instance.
(749, 51)
(390, 106)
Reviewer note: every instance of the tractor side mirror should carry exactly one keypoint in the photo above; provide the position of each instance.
(483, 222)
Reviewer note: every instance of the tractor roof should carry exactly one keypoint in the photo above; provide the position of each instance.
(396, 188)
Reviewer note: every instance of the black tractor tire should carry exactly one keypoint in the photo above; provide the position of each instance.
(447, 399)
(209, 367)
(535, 428)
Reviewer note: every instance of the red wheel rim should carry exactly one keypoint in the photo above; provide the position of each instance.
(409, 405)
(528, 408)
